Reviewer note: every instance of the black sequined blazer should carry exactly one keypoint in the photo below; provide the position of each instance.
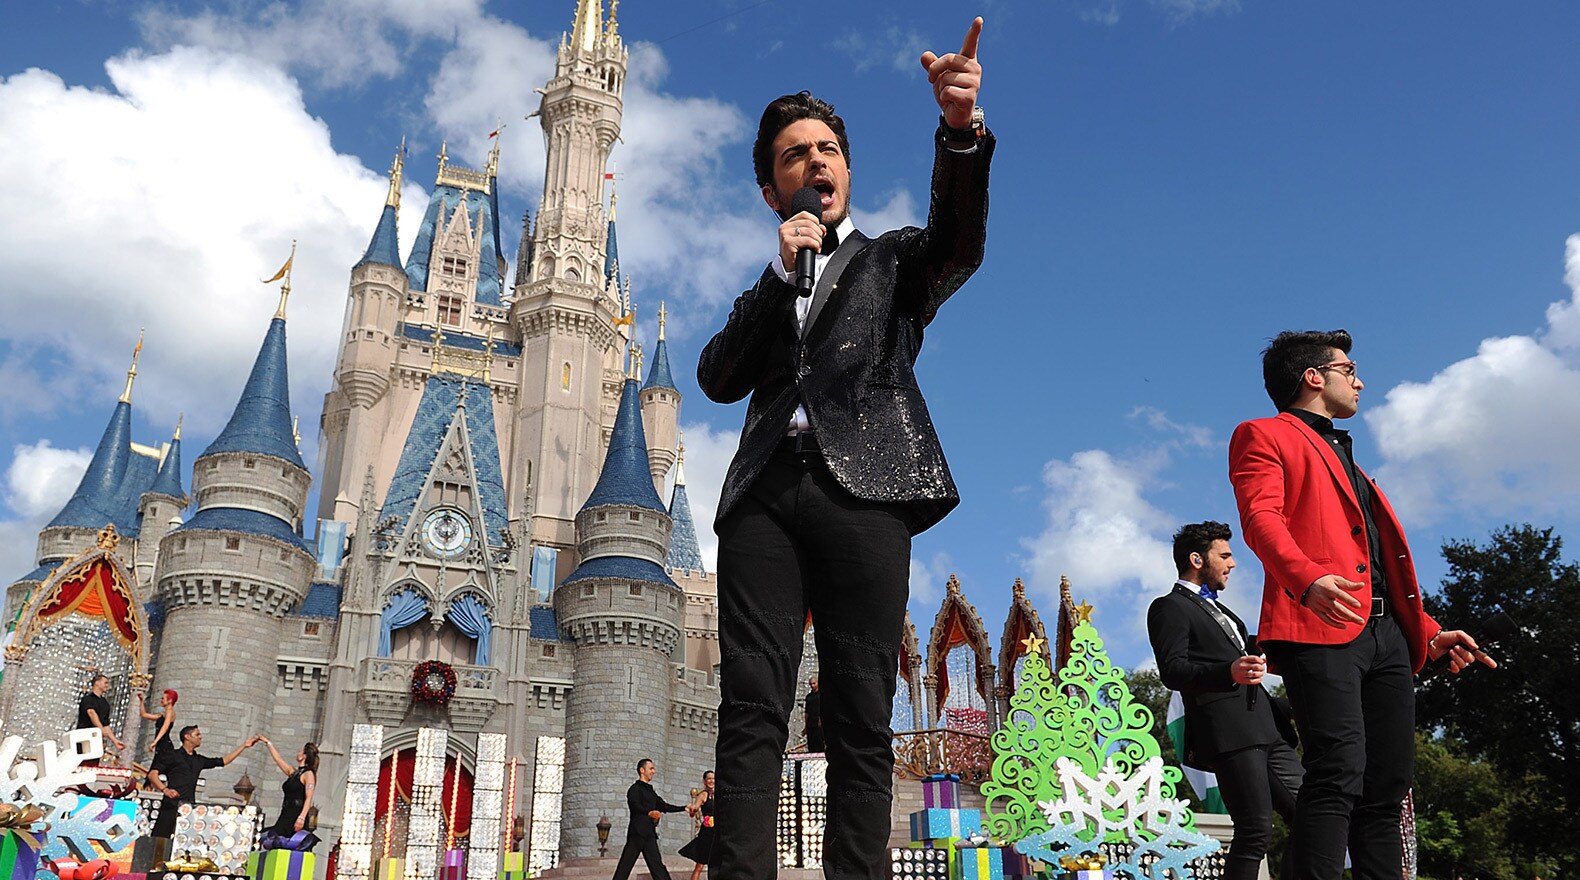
(852, 366)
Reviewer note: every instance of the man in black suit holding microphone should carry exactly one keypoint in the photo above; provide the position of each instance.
(1232, 727)
(838, 465)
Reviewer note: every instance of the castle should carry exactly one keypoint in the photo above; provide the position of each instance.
(491, 497)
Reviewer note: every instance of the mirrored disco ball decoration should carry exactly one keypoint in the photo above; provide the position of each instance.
(488, 796)
(918, 864)
(53, 677)
(222, 834)
(1211, 867)
(361, 805)
(426, 824)
(548, 787)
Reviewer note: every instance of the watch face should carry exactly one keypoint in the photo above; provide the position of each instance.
(446, 532)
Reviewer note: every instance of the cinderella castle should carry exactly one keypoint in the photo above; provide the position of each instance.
(503, 542)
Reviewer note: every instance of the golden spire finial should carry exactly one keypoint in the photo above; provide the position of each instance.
(614, 197)
(444, 159)
(438, 342)
(588, 25)
(179, 418)
(662, 313)
(680, 461)
(285, 288)
(613, 28)
(131, 372)
(396, 167)
(296, 431)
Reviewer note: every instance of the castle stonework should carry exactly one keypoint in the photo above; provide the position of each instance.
(490, 482)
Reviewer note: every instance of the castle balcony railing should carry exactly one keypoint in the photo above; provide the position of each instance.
(921, 753)
(385, 685)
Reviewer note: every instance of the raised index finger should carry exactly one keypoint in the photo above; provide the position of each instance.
(969, 47)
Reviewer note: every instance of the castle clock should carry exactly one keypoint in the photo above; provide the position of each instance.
(447, 532)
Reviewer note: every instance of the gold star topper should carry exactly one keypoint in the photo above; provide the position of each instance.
(1033, 644)
(1083, 612)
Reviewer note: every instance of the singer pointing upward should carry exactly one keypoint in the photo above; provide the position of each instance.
(838, 465)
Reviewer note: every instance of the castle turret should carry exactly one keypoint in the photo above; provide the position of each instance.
(230, 573)
(660, 411)
(159, 507)
(624, 615)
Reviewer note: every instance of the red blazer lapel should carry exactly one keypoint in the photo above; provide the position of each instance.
(1328, 456)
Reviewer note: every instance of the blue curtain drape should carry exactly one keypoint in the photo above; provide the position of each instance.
(404, 609)
(470, 616)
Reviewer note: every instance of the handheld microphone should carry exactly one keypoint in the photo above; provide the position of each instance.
(1497, 626)
(811, 201)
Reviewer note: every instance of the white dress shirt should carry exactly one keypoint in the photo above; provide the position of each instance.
(799, 423)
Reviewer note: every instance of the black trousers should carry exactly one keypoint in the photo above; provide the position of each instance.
(1355, 707)
(1255, 783)
(648, 847)
(799, 543)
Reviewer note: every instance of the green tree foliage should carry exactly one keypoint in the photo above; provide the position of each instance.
(1519, 723)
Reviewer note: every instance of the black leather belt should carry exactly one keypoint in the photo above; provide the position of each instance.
(806, 441)
(1379, 606)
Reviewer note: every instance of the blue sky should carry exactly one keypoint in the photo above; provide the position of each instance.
(1176, 181)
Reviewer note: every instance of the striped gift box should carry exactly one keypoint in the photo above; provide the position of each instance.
(941, 791)
(978, 863)
(932, 824)
(280, 864)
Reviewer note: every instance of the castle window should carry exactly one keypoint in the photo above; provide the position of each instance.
(573, 275)
(565, 376)
(450, 311)
(636, 517)
(285, 555)
(548, 650)
(232, 543)
(636, 589)
(248, 463)
(454, 265)
(310, 629)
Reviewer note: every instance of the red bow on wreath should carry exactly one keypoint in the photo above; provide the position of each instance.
(433, 682)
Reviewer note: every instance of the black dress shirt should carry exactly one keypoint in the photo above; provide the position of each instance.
(1343, 446)
(98, 704)
(642, 799)
(182, 769)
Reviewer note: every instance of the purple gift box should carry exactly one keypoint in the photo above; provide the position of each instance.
(941, 791)
(1016, 864)
(454, 867)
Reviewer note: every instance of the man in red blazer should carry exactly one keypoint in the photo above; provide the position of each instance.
(1341, 618)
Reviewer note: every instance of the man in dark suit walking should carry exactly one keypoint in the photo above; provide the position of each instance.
(641, 836)
(838, 466)
(1232, 726)
(1342, 619)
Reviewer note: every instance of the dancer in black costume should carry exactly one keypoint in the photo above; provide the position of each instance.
(700, 849)
(298, 787)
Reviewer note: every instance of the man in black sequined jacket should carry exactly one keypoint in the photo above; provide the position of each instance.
(838, 467)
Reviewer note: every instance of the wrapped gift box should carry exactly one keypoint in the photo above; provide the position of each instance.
(513, 866)
(933, 824)
(389, 869)
(18, 855)
(978, 863)
(454, 867)
(941, 791)
(280, 864)
(1017, 864)
(1090, 874)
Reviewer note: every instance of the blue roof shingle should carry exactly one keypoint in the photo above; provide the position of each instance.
(684, 552)
(168, 482)
(322, 600)
(624, 568)
(385, 246)
(91, 506)
(436, 411)
(459, 340)
(262, 420)
(441, 206)
(658, 376)
(625, 478)
(545, 623)
(247, 522)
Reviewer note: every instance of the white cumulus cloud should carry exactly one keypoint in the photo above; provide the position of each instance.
(1492, 433)
(37, 484)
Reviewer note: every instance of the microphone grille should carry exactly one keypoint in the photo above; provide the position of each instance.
(807, 199)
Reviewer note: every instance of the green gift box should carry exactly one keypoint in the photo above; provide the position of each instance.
(513, 866)
(18, 855)
(280, 864)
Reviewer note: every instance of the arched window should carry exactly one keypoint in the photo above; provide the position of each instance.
(565, 376)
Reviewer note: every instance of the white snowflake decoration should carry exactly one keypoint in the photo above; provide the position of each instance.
(71, 823)
(1090, 809)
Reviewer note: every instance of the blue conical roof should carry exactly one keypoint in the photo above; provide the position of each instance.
(385, 246)
(169, 480)
(92, 505)
(659, 376)
(611, 258)
(262, 420)
(684, 552)
(626, 478)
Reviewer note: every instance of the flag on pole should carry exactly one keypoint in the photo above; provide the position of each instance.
(1203, 783)
(625, 320)
(283, 269)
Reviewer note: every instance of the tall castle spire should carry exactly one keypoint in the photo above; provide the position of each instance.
(261, 422)
(684, 552)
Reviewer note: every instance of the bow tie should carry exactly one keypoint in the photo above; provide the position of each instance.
(830, 241)
(1208, 593)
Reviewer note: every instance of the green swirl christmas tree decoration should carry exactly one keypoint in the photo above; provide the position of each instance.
(1088, 716)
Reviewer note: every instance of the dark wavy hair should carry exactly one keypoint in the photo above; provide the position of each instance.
(310, 757)
(1291, 353)
(780, 113)
(1196, 538)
